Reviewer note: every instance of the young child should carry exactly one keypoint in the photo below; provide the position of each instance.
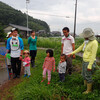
(62, 67)
(8, 57)
(26, 64)
(49, 63)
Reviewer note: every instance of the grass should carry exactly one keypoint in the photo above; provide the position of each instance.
(56, 43)
(32, 89)
(72, 88)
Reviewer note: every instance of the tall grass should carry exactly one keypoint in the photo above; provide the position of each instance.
(33, 89)
(55, 43)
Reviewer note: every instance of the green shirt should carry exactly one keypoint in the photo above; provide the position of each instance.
(32, 43)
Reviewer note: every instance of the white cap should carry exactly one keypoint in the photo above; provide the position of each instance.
(8, 34)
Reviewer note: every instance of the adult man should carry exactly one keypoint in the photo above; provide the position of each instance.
(15, 44)
(68, 45)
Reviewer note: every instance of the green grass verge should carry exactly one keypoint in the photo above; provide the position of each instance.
(32, 89)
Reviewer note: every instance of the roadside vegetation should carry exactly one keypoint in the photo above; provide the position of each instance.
(71, 89)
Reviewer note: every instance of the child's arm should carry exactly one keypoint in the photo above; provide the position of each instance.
(54, 65)
(58, 68)
(23, 60)
(44, 63)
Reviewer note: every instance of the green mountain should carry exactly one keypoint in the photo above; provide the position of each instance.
(11, 15)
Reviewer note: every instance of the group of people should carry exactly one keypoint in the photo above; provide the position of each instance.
(15, 47)
(89, 47)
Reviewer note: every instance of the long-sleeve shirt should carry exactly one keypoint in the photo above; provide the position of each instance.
(49, 63)
(27, 60)
(90, 51)
(62, 67)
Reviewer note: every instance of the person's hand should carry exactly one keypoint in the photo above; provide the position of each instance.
(69, 55)
(5, 55)
(74, 56)
(60, 61)
(20, 58)
(54, 70)
(43, 68)
(89, 69)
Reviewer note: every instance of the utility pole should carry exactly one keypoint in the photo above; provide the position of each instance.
(27, 1)
(75, 18)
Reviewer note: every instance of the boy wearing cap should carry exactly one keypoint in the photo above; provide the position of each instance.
(15, 44)
(68, 46)
(89, 47)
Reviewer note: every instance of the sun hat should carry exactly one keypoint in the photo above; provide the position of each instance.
(88, 33)
(8, 34)
(26, 51)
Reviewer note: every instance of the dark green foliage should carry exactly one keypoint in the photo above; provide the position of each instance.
(11, 15)
(2, 34)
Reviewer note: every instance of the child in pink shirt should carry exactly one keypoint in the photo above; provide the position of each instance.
(49, 63)
(26, 64)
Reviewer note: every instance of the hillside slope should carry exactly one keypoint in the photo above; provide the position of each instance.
(11, 15)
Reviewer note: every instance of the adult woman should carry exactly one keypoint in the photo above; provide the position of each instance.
(32, 40)
(89, 48)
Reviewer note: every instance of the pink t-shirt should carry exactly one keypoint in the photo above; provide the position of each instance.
(49, 63)
(27, 60)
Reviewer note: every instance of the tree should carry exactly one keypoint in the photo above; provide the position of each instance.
(2, 34)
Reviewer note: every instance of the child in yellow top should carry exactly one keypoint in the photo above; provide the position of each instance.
(89, 47)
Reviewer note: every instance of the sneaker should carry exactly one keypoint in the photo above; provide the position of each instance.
(42, 81)
(28, 76)
(48, 83)
(25, 75)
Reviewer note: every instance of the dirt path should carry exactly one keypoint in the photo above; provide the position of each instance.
(5, 88)
(3, 76)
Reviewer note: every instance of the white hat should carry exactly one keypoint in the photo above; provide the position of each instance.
(8, 34)
(14, 29)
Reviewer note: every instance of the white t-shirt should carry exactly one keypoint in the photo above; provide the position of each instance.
(67, 41)
(15, 49)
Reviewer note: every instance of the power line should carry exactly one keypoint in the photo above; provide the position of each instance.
(49, 14)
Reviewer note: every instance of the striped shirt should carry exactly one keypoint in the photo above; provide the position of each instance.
(49, 63)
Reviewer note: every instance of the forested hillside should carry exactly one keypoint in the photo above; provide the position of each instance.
(11, 15)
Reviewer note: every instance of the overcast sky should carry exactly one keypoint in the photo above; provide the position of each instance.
(88, 13)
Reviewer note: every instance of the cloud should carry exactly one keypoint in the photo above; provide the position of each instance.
(88, 12)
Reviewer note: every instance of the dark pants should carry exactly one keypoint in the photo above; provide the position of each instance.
(16, 65)
(69, 65)
(33, 55)
(62, 76)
